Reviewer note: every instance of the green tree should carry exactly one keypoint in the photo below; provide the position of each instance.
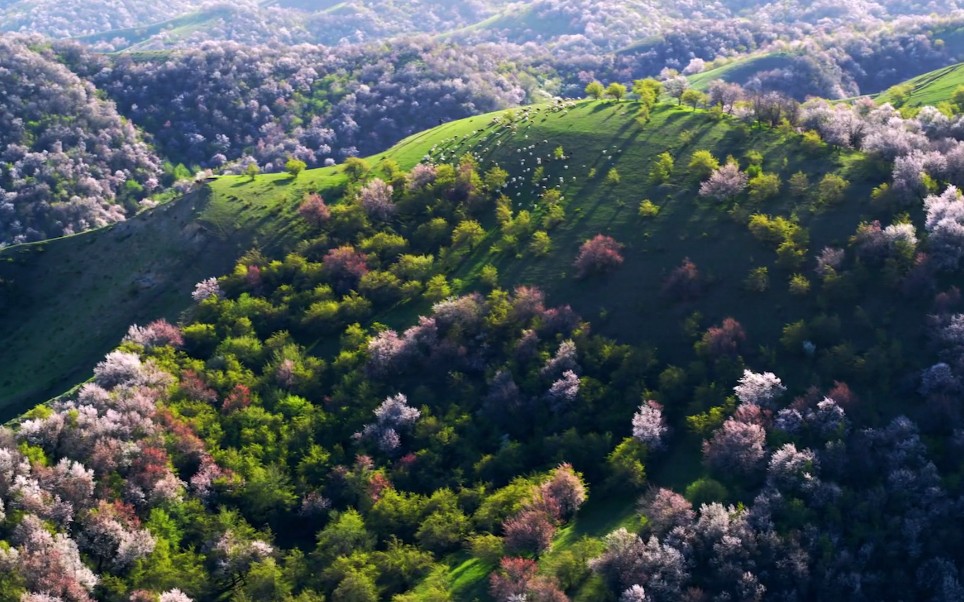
(648, 90)
(345, 534)
(900, 94)
(252, 171)
(764, 186)
(616, 91)
(356, 168)
(437, 288)
(443, 531)
(489, 275)
(702, 164)
(799, 285)
(626, 464)
(595, 90)
(758, 281)
(705, 491)
(356, 586)
(831, 189)
(495, 178)
(693, 98)
(468, 234)
(957, 99)
(799, 185)
(266, 581)
(541, 244)
(267, 492)
(295, 167)
(812, 143)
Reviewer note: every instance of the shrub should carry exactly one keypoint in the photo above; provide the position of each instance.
(662, 169)
(831, 189)
(758, 281)
(702, 164)
(763, 187)
(648, 208)
(684, 282)
(799, 285)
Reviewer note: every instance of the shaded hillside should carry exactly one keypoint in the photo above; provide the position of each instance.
(67, 300)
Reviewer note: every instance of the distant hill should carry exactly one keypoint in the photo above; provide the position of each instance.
(71, 18)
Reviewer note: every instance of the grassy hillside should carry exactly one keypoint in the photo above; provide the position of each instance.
(603, 136)
(176, 27)
(90, 287)
(67, 301)
(930, 88)
(280, 382)
(741, 70)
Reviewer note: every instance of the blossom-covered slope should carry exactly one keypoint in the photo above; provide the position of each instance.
(595, 350)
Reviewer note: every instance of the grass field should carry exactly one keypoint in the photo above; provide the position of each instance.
(931, 88)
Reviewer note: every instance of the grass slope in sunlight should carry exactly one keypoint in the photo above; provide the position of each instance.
(931, 88)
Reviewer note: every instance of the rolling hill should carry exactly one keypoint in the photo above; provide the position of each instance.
(741, 70)
(106, 279)
(930, 88)
(425, 293)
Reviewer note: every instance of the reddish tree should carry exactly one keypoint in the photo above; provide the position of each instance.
(345, 267)
(193, 387)
(566, 490)
(314, 210)
(512, 578)
(843, 395)
(736, 447)
(253, 278)
(149, 467)
(239, 398)
(598, 255)
(530, 531)
(684, 282)
(945, 301)
(724, 339)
